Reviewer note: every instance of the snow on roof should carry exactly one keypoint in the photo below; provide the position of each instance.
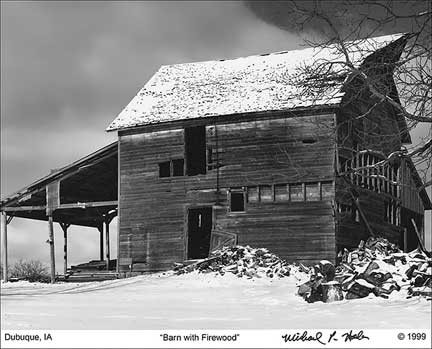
(243, 85)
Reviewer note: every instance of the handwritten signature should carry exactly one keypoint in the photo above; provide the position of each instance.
(319, 337)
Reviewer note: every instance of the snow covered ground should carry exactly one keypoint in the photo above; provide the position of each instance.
(197, 301)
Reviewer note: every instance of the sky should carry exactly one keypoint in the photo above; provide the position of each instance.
(68, 68)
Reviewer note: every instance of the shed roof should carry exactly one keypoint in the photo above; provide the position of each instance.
(91, 179)
(243, 85)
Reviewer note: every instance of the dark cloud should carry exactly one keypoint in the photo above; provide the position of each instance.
(343, 14)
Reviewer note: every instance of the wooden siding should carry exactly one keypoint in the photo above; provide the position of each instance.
(409, 194)
(258, 152)
(296, 231)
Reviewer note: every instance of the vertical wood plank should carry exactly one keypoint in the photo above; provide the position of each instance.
(65, 247)
(118, 203)
(304, 191)
(4, 245)
(52, 249)
(357, 164)
(101, 247)
(272, 193)
(52, 197)
(107, 243)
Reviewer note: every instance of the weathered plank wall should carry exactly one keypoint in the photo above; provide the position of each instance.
(296, 231)
(256, 152)
(409, 194)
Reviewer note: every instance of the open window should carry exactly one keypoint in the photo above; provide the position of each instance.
(178, 167)
(164, 169)
(237, 201)
(195, 150)
(173, 168)
(312, 192)
(266, 193)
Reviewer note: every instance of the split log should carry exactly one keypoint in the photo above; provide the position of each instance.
(328, 270)
(331, 292)
(359, 289)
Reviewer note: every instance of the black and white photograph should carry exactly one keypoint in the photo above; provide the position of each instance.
(216, 174)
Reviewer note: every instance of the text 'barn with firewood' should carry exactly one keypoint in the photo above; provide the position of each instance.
(243, 152)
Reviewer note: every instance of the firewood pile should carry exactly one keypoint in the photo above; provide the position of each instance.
(376, 267)
(243, 261)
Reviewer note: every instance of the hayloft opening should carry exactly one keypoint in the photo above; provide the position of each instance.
(199, 231)
(195, 150)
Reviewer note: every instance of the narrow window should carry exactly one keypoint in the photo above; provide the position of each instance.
(237, 201)
(178, 167)
(266, 193)
(252, 194)
(165, 169)
(297, 193)
(195, 150)
(326, 190)
(281, 192)
(312, 192)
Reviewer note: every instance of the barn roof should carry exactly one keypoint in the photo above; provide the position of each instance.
(243, 85)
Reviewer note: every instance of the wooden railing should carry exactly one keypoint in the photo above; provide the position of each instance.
(371, 171)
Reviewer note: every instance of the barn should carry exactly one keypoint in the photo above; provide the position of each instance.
(241, 152)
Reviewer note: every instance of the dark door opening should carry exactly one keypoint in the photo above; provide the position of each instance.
(199, 230)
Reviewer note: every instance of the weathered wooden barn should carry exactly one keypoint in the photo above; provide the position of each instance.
(235, 151)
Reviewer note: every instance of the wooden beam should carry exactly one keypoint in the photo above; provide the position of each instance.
(107, 243)
(52, 250)
(362, 215)
(65, 227)
(24, 208)
(420, 240)
(101, 248)
(81, 205)
(4, 244)
(118, 205)
(52, 197)
(88, 204)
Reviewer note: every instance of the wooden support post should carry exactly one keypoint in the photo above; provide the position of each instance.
(65, 227)
(51, 243)
(107, 242)
(101, 248)
(420, 240)
(4, 244)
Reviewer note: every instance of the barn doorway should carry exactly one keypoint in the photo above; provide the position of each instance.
(199, 231)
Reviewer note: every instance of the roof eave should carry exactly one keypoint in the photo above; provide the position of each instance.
(224, 117)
